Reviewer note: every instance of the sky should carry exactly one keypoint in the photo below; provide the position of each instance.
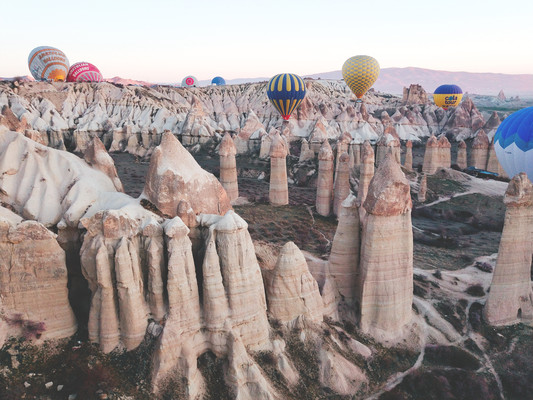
(163, 41)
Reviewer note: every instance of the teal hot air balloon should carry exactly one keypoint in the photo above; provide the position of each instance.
(286, 92)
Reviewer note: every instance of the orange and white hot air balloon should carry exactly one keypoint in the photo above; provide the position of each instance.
(48, 64)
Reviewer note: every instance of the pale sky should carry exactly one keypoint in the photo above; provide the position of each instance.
(165, 40)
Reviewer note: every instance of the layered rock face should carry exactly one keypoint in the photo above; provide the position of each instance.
(367, 171)
(111, 258)
(445, 152)
(305, 152)
(33, 278)
(228, 167)
(342, 183)
(133, 119)
(324, 188)
(422, 189)
(431, 156)
(386, 263)
(97, 157)
(461, 155)
(292, 291)
(415, 94)
(344, 256)
(279, 191)
(493, 165)
(408, 161)
(174, 175)
(231, 306)
(480, 150)
(510, 299)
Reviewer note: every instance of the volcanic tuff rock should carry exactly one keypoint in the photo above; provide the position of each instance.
(431, 156)
(279, 191)
(134, 118)
(408, 161)
(464, 120)
(97, 157)
(228, 167)
(415, 94)
(324, 187)
(291, 290)
(386, 263)
(367, 171)
(174, 175)
(510, 299)
(344, 255)
(461, 155)
(480, 150)
(33, 277)
(342, 183)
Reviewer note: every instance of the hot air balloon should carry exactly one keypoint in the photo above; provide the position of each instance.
(48, 64)
(447, 96)
(360, 73)
(218, 81)
(189, 81)
(513, 143)
(286, 92)
(84, 72)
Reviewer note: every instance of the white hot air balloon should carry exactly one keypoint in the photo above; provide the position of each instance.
(48, 64)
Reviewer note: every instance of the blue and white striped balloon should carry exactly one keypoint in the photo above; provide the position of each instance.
(513, 143)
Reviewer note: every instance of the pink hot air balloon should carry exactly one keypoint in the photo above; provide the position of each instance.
(84, 72)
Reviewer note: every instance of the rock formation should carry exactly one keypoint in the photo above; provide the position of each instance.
(228, 167)
(461, 155)
(324, 189)
(431, 156)
(344, 255)
(415, 94)
(386, 278)
(111, 253)
(510, 299)
(444, 152)
(33, 280)
(342, 183)
(305, 152)
(291, 290)
(480, 150)
(408, 161)
(97, 157)
(493, 165)
(367, 171)
(279, 191)
(174, 175)
(422, 189)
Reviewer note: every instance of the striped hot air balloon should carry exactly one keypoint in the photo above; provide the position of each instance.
(286, 92)
(513, 143)
(84, 72)
(446, 96)
(189, 81)
(48, 64)
(360, 73)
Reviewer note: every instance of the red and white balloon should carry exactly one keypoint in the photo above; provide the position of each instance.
(84, 72)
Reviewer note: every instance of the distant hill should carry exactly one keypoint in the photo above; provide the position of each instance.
(392, 80)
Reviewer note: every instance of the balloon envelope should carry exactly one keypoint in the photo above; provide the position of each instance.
(48, 64)
(84, 72)
(447, 96)
(286, 92)
(360, 73)
(189, 81)
(218, 80)
(513, 143)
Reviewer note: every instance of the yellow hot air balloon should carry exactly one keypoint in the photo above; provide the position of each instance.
(360, 73)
